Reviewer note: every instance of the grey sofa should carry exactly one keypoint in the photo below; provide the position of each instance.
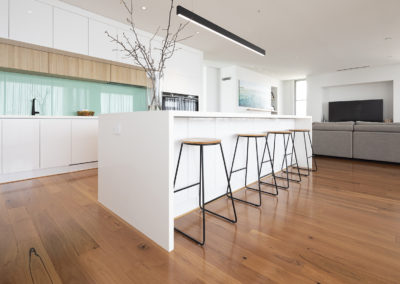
(360, 140)
(333, 139)
(377, 141)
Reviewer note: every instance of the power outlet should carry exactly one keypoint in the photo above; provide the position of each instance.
(117, 129)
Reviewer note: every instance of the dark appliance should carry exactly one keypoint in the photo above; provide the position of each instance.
(366, 110)
(173, 101)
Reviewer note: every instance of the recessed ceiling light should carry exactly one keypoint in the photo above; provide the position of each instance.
(29, 11)
(197, 33)
(144, 8)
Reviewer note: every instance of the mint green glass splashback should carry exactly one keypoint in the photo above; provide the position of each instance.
(57, 96)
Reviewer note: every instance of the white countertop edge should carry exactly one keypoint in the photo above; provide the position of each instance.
(45, 117)
(233, 115)
(194, 114)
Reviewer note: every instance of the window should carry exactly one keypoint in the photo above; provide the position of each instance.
(301, 97)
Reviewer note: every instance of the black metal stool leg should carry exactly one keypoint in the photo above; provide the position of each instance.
(309, 169)
(229, 185)
(233, 162)
(305, 148)
(286, 145)
(201, 201)
(266, 147)
(293, 153)
(285, 161)
(177, 165)
(312, 153)
(245, 168)
(295, 156)
(272, 166)
(202, 191)
(227, 194)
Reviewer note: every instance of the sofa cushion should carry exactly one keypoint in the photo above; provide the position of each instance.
(376, 146)
(376, 123)
(334, 126)
(333, 143)
(383, 127)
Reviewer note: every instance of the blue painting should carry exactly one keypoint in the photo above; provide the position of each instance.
(252, 95)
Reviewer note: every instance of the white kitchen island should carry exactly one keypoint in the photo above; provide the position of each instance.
(138, 153)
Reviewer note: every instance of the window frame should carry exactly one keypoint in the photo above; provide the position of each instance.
(295, 95)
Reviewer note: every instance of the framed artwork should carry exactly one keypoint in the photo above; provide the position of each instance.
(252, 95)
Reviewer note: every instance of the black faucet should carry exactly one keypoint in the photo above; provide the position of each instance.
(34, 112)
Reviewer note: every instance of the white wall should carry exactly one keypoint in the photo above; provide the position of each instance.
(229, 89)
(55, 24)
(212, 88)
(3, 18)
(317, 83)
(288, 97)
(367, 91)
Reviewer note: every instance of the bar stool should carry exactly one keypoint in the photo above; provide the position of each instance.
(247, 137)
(284, 161)
(304, 131)
(201, 143)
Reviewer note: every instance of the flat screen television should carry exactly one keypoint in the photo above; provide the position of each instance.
(368, 110)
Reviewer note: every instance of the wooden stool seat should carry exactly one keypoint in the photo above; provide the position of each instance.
(252, 135)
(201, 141)
(279, 132)
(299, 130)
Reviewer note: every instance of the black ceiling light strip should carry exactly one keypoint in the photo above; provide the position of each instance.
(189, 15)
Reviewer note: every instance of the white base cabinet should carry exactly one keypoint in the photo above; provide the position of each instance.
(55, 143)
(84, 141)
(20, 145)
(34, 147)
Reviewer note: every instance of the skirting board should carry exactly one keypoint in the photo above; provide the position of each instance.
(4, 178)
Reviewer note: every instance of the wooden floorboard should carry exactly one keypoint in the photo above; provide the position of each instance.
(340, 225)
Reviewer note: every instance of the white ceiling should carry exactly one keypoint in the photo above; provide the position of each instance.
(300, 37)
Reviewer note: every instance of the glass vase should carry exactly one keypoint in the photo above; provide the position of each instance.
(154, 94)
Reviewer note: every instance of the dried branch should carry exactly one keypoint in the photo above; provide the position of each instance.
(141, 54)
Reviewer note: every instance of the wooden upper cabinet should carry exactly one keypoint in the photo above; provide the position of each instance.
(94, 70)
(126, 75)
(75, 67)
(53, 62)
(21, 58)
(141, 78)
(63, 65)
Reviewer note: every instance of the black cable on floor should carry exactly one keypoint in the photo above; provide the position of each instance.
(33, 251)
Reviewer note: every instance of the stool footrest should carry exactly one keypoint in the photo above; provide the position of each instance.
(189, 237)
(233, 221)
(247, 202)
(295, 180)
(218, 197)
(270, 174)
(265, 192)
(238, 170)
(304, 169)
(271, 184)
(186, 187)
(304, 175)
